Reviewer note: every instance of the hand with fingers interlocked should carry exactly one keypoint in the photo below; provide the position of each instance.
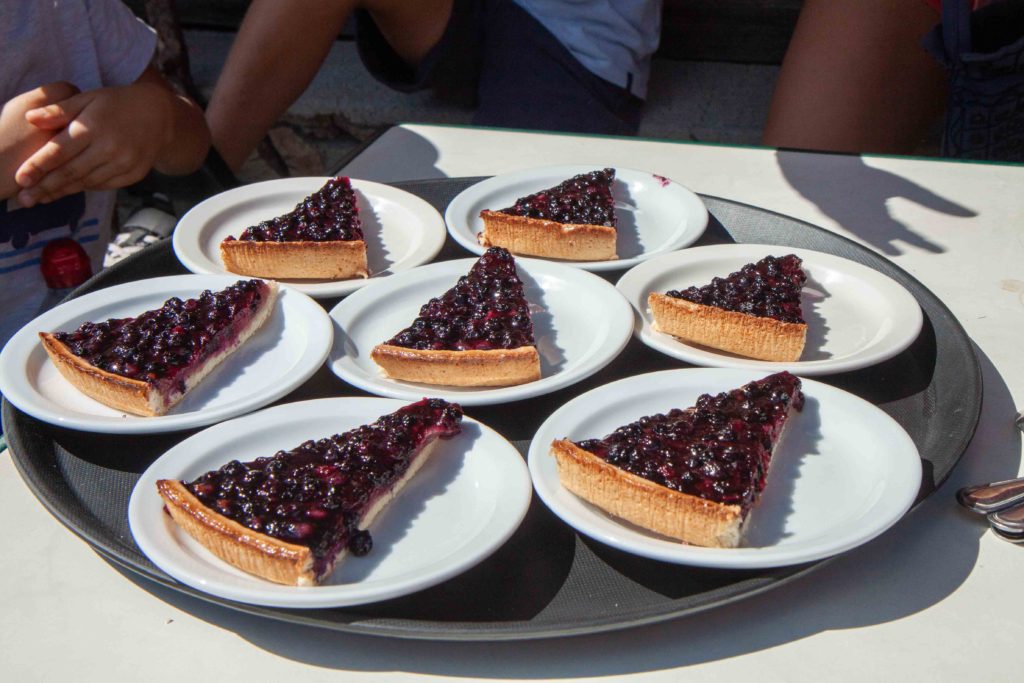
(108, 138)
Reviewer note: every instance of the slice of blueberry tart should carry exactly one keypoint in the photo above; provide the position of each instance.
(321, 238)
(478, 333)
(146, 364)
(290, 517)
(575, 220)
(754, 312)
(693, 475)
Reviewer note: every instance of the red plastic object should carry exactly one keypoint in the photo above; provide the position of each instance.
(64, 264)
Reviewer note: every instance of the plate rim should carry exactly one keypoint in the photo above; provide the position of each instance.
(692, 200)
(21, 394)
(631, 282)
(632, 541)
(381, 386)
(144, 499)
(197, 217)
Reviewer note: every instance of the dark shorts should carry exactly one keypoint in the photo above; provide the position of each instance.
(495, 56)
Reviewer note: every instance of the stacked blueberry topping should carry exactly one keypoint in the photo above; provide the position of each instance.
(485, 310)
(769, 288)
(315, 494)
(719, 450)
(329, 214)
(159, 344)
(583, 199)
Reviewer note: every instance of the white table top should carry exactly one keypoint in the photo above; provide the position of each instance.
(938, 597)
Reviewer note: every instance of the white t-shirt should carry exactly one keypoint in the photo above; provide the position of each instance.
(91, 44)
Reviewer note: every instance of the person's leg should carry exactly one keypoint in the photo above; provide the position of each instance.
(411, 28)
(856, 79)
(450, 67)
(528, 79)
(496, 56)
(281, 46)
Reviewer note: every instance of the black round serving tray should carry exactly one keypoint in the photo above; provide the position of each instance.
(547, 580)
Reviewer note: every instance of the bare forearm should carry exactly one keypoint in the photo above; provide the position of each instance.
(191, 140)
(187, 138)
(855, 78)
(277, 52)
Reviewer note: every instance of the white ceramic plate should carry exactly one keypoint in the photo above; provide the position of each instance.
(580, 325)
(401, 230)
(856, 316)
(283, 354)
(464, 503)
(844, 472)
(655, 214)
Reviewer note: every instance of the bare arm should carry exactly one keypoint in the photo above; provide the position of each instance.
(189, 138)
(281, 46)
(277, 52)
(111, 137)
(856, 79)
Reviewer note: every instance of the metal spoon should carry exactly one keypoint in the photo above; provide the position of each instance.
(1010, 537)
(1010, 520)
(988, 498)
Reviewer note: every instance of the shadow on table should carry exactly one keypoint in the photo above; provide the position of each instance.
(856, 195)
(917, 564)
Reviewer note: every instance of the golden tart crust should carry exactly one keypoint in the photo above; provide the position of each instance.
(329, 260)
(488, 368)
(123, 393)
(250, 551)
(550, 239)
(137, 396)
(258, 553)
(660, 509)
(682, 516)
(746, 335)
